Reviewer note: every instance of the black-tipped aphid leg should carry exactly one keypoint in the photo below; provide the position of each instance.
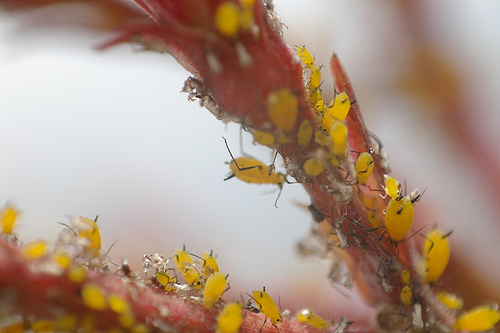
(271, 167)
(235, 163)
(382, 155)
(353, 221)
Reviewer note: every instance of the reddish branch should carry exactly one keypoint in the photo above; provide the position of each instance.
(40, 289)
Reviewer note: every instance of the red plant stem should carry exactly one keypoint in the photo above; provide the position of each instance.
(40, 289)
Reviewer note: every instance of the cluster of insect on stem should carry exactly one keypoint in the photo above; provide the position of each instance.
(325, 147)
(375, 212)
(195, 279)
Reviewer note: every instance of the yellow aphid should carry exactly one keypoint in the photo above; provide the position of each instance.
(326, 122)
(15, 327)
(77, 273)
(436, 251)
(9, 216)
(253, 171)
(35, 249)
(406, 295)
(209, 264)
(66, 323)
(264, 138)
(315, 99)
(126, 320)
(314, 78)
(481, 318)
(282, 108)
(340, 144)
(227, 19)
(305, 133)
(313, 166)
(267, 306)
(283, 138)
(392, 187)
(452, 301)
(214, 288)
(399, 218)
(140, 328)
(93, 297)
(118, 304)
(246, 16)
(230, 318)
(88, 230)
(374, 218)
(182, 258)
(193, 277)
(339, 107)
(405, 277)
(322, 138)
(165, 280)
(62, 259)
(43, 326)
(305, 56)
(87, 323)
(364, 167)
(307, 316)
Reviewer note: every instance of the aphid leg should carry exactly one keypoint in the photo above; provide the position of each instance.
(417, 232)
(228, 285)
(243, 128)
(279, 194)
(318, 217)
(272, 168)
(353, 221)
(116, 241)
(430, 240)
(70, 228)
(265, 320)
(234, 160)
(229, 177)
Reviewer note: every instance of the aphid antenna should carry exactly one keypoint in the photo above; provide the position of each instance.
(430, 240)
(228, 285)
(116, 241)
(70, 228)
(418, 232)
(243, 128)
(376, 138)
(418, 197)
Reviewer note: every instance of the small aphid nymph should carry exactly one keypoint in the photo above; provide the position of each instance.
(364, 167)
(209, 264)
(307, 316)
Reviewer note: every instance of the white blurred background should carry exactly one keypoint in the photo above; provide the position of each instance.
(88, 133)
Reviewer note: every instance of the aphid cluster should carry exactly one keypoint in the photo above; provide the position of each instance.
(187, 276)
(347, 175)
